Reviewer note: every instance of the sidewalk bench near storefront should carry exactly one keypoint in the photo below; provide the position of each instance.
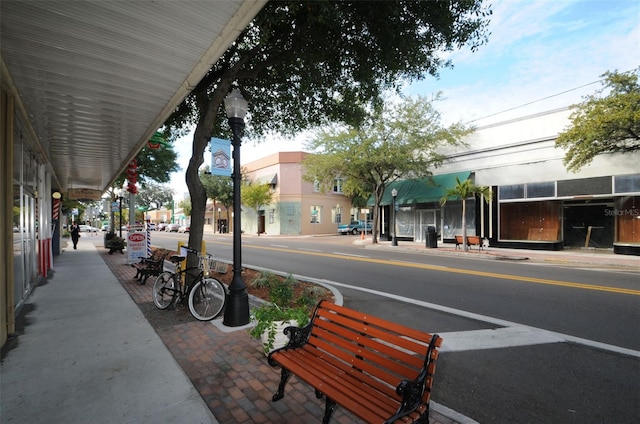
(378, 370)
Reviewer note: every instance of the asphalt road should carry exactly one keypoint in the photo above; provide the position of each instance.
(524, 342)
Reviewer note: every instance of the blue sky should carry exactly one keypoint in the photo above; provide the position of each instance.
(537, 50)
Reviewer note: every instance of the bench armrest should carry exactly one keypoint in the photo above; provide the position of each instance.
(298, 336)
(412, 391)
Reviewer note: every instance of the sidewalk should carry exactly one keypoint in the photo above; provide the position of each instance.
(86, 354)
(95, 349)
(576, 257)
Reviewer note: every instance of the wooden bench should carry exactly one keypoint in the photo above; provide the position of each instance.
(471, 241)
(378, 370)
(148, 267)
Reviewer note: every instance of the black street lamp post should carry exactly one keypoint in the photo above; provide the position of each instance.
(394, 240)
(236, 311)
(120, 196)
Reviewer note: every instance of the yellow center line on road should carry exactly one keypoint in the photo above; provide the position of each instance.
(459, 271)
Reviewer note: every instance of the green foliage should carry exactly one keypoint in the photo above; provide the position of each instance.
(156, 164)
(463, 190)
(218, 188)
(301, 64)
(399, 141)
(256, 195)
(283, 305)
(154, 195)
(606, 122)
(186, 207)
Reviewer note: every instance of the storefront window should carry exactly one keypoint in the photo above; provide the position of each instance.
(534, 221)
(627, 216)
(453, 219)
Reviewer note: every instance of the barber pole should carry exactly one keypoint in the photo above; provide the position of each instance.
(148, 242)
(56, 209)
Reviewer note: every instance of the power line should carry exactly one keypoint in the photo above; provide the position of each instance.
(549, 97)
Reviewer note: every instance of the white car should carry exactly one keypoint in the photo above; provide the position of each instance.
(170, 228)
(87, 229)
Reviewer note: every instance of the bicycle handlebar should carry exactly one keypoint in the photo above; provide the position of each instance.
(196, 252)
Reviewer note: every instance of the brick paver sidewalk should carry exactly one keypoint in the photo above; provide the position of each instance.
(229, 370)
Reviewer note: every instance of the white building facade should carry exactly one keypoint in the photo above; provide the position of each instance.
(537, 203)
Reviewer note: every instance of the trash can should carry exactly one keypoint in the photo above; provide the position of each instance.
(431, 237)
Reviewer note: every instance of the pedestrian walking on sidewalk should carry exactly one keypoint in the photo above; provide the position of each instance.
(75, 234)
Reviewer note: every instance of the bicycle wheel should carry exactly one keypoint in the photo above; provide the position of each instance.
(164, 290)
(206, 299)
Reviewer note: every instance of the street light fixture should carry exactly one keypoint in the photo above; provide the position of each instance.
(236, 311)
(394, 240)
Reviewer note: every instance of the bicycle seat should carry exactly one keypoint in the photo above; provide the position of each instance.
(177, 259)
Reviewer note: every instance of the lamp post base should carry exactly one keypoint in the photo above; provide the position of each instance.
(236, 308)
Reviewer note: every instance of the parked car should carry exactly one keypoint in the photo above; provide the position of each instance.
(184, 229)
(105, 227)
(152, 226)
(172, 228)
(87, 228)
(162, 226)
(355, 227)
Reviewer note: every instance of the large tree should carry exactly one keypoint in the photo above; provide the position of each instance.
(605, 122)
(303, 63)
(400, 141)
(153, 195)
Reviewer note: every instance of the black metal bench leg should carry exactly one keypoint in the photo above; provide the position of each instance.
(330, 406)
(319, 394)
(284, 377)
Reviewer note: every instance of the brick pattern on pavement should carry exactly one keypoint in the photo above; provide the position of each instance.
(229, 370)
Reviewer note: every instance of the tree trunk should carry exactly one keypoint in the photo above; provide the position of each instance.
(197, 192)
(377, 196)
(464, 224)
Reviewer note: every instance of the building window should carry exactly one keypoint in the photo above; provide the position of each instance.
(533, 221)
(337, 215)
(272, 216)
(337, 185)
(627, 216)
(511, 192)
(627, 183)
(316, 214)
(536, 190)
(316, 186)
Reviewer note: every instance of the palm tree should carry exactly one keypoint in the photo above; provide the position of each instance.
(463, 190)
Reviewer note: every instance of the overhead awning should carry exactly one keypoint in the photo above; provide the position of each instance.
(421, 190)
(271, 179)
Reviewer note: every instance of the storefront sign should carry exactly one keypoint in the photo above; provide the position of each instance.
(136, 246)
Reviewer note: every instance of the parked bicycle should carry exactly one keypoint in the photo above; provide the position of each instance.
(206, 295)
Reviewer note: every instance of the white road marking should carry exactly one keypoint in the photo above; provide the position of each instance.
(349, 254)
(536, 335)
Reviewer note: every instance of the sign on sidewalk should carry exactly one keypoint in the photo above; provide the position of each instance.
(136, 246)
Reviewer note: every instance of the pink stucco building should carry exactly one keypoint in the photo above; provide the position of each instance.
(298, 208)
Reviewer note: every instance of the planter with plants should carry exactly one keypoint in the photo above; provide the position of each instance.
(115, 244)
(283, 310)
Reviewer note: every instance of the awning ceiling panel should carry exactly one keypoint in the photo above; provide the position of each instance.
(96, 79)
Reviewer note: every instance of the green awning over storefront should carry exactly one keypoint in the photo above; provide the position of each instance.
(421, 190)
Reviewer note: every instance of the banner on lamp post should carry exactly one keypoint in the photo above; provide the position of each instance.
(220, 157)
